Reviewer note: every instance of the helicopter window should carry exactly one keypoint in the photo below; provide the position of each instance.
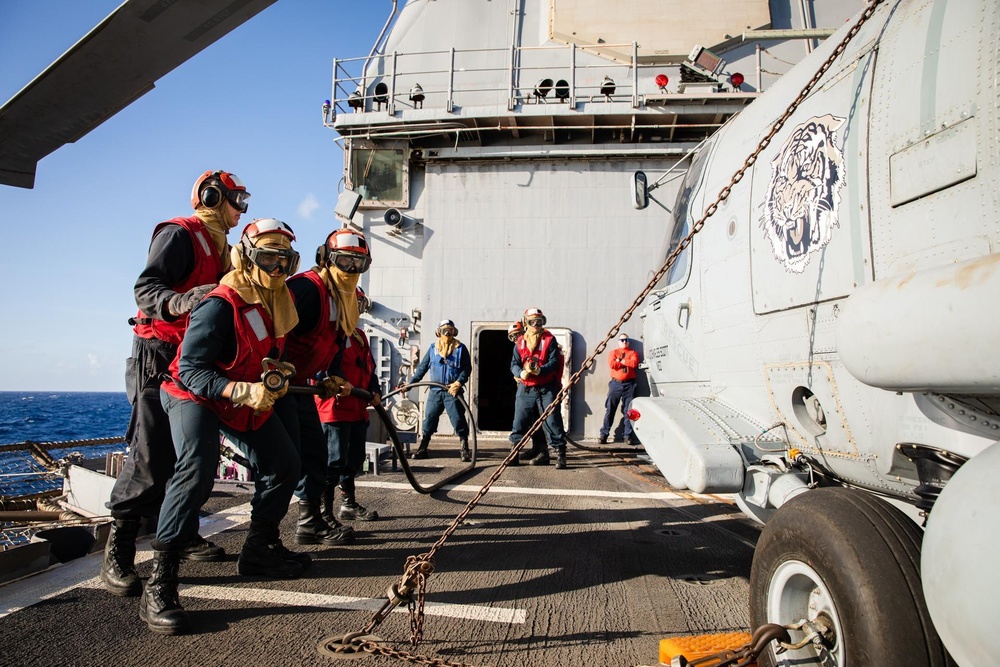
(380, 176)
(678, 273)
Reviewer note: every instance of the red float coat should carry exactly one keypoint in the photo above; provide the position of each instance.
(358, 368)
(208, 269)
(312, 352)
(251, 348)
(546, 347)
(623, 361)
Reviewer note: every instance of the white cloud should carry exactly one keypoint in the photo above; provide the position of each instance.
(308, 206)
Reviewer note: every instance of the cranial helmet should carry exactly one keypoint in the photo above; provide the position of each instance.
(268, 259)
(533, 314)
(364, 303)
(214, 187)
(345, 249)
(515, 330)
(444, 324)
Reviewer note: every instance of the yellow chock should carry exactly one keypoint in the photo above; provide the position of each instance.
(699, 646)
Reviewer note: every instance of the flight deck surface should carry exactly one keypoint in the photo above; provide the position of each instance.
(594, 564)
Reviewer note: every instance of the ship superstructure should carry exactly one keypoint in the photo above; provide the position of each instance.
(488, 147)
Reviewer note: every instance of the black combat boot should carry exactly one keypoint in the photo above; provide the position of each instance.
(466, 453)
(350, 510)
(421, 452)
(561, 457)
(159, 606)
(312, 529)
(118, 571)
(326, 500)
(201, 549)
(541, 458)
(264, 555)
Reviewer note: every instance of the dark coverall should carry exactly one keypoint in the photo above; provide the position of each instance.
(271, 452)
(140, 487)
(530, 402)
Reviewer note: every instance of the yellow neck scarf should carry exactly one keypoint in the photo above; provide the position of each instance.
(344, 287)
(446, 345)
(255, 286)
(531, 338)
(217, 223)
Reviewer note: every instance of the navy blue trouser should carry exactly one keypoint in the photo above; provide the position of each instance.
(345, 443)
(301, 420)
(618, 392)
(439, 400)
(195, 429)
(529, 402)
(139, 489)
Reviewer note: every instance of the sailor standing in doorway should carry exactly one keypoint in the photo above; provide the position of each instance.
(537, 366)
(449, 364)
(186, 259)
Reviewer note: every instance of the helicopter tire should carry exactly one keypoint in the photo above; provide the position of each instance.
(856, 559)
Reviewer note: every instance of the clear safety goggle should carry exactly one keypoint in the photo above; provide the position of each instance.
(536, 322)
(447, 331)
(271, 259)
(238, 198)
(351, 263)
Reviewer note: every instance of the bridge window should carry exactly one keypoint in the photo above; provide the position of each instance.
(380, 175)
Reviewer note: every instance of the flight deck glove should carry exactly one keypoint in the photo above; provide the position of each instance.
(183, 302)
(255, 395)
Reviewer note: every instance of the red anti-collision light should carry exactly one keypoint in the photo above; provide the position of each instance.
(736, 79)
(632, 414)
(662, 80)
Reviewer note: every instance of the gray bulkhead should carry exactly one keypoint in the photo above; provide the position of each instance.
(509, 200)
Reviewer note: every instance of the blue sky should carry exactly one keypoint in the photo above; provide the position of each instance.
(250, 104)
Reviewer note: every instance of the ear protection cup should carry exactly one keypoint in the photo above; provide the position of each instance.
(211, 196)
(322, 255)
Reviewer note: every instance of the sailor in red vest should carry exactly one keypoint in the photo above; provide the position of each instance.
(327, 305)
(623, 362)
(345, 423)
(215, 385)
(537, 366)
(186, 259)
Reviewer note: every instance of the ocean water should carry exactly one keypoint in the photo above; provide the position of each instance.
(50, 416)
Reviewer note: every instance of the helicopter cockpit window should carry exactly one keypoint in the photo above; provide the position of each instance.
(380, 175)
(678, 274)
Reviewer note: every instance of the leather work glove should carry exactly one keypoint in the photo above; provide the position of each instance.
(454, 388)
(332, 386)
(525, 374)
(376, 399)
(255, 395)
(185, 301)
(531, 366)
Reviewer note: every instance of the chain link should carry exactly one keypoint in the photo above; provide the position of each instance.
(420, 578)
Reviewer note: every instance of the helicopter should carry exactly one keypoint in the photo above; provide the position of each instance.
(822, 347)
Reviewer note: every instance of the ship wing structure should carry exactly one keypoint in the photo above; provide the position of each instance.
(113, 65)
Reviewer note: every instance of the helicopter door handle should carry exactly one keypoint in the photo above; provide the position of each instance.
(683, 314)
